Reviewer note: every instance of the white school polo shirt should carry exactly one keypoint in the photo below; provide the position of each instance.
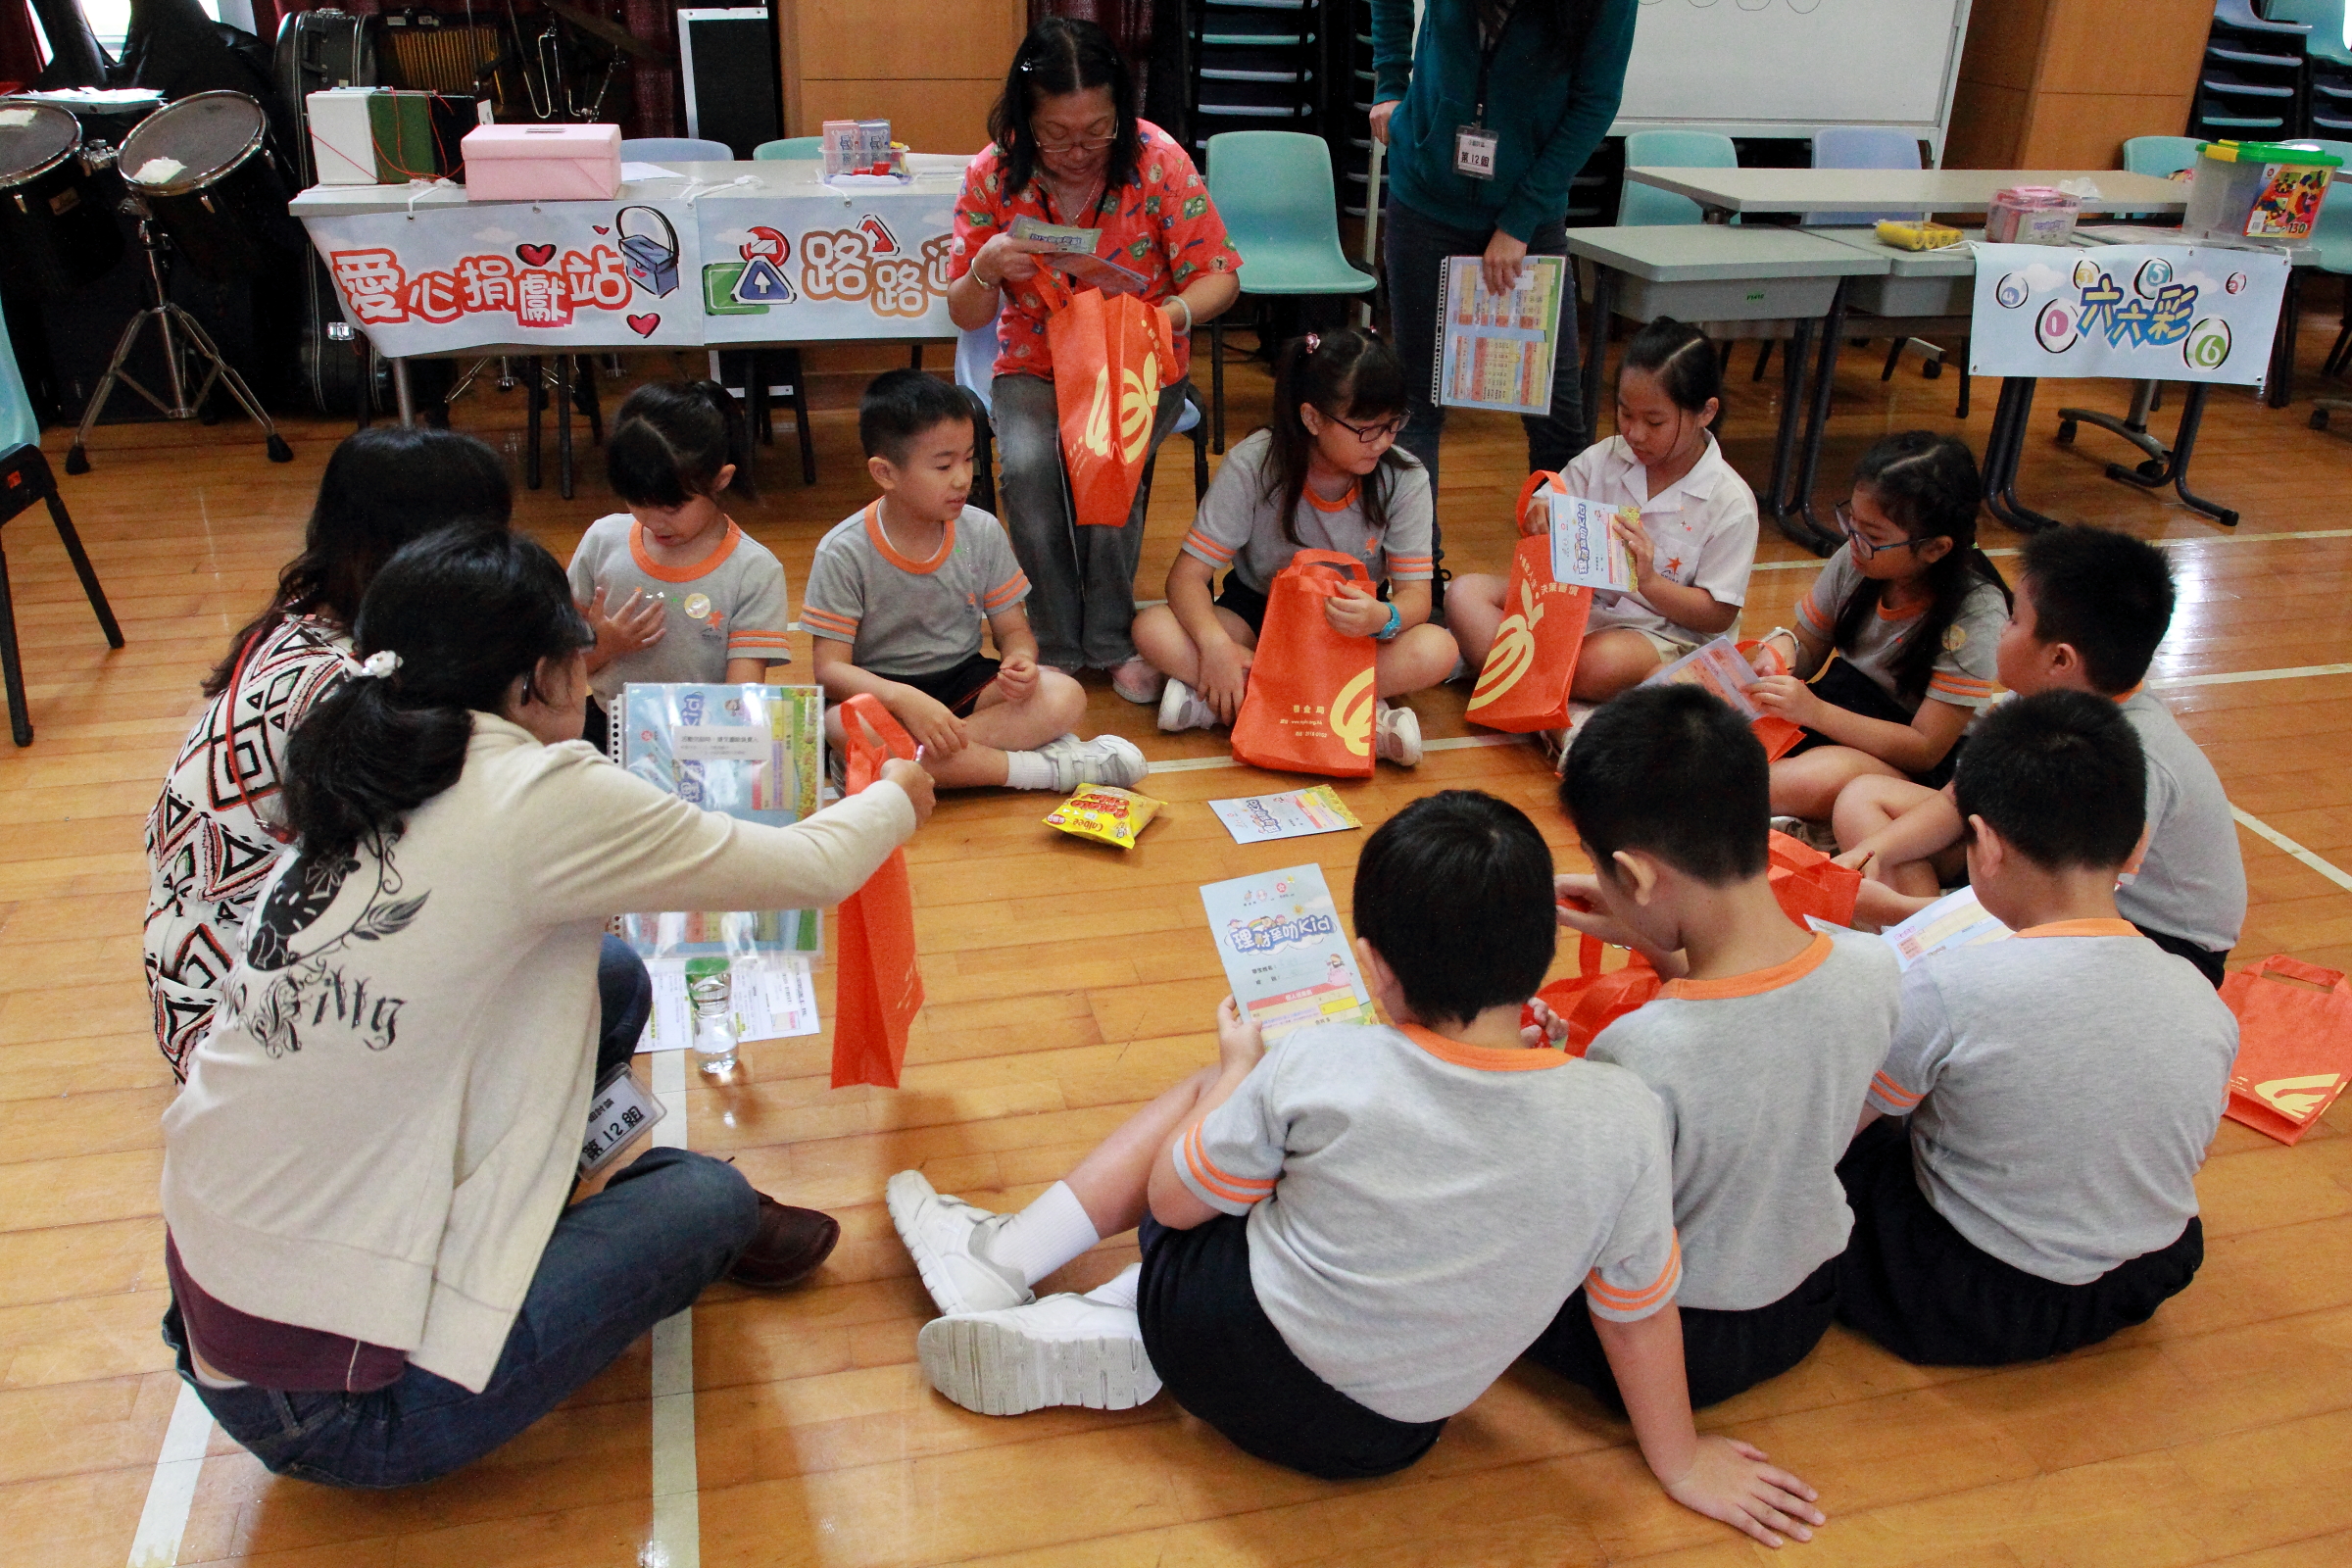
(1703, 525)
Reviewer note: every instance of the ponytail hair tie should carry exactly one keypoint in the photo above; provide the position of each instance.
(375, 666)
(1314, 342)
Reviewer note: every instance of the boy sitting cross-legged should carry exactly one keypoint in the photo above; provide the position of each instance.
(1762, 1046)
(895, 600)
(2091, 607)
(1347, 1236)
(2062, 1086)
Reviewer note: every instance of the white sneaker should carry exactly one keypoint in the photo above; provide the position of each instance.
(948, 1239)
(1137, 681)
(1816, 835)
(1399, 738)
(1105, 759)
(1063, 1350)
(1182, 708)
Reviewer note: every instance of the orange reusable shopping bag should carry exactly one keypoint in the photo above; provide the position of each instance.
(1589, 1000)
(2294, 1044)
(1808, 882)
(1777, 733)
(1111, 356)
(1525, 681)
(878, 988)
(1308, 708)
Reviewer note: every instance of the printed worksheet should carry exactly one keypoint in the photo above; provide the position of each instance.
(1497, 350)
(773, 998)
(1718, 666)
(1296, 814)
(1585, 551)
(1955, 920)
(1285, 953)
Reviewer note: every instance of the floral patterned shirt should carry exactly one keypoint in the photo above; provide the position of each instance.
(1162, 223)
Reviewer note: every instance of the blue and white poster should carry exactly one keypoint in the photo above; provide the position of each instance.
(2141, 313)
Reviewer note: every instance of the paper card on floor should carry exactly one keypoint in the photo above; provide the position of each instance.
(1585, 551)
(1064, 237)
(1718, 668)
(1297, 814)
(774, 997)
(1285, 953)
(1496, 351)
(1955, 920)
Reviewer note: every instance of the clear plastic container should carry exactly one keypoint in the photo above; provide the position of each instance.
(712, 997)
(2258, 190)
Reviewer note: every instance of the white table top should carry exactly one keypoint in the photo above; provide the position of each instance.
(935, 174)
(1952, 261)
(1685, 252)
(1878, 190)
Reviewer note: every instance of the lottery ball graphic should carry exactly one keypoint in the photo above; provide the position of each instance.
(2207, 347)
(2237, 283)
(2153, 275)
(2054, 328)
(2011, 291)
(2086, 273)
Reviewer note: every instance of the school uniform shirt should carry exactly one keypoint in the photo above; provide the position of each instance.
(1703, 527)
(1240, 525)
(903, 616)
(1160, 224)
(1965, 668)
(1762, 1078)
(2062, 1088)
(2192, 882)
(1419, 1209)
(729, 605)
(378, 1134)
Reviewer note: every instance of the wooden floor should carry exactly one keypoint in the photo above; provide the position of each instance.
(1068, 982)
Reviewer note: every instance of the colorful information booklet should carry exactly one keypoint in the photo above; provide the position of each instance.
(1496, 351)
(1073, 255)
(1716, 667)
(1585, 551)
(1285, 953)
(1301, 814)
(1955, 920)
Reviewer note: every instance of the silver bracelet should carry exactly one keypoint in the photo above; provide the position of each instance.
(1186, 330)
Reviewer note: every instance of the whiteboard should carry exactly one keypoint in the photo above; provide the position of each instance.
(1782, 67)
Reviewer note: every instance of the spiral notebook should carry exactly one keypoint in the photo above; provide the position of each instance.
(1496, 351)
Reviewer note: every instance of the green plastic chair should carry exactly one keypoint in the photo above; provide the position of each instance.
(1274, 190)
(796, 147)
(1641, 204)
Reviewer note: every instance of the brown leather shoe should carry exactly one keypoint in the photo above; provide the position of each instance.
(789, 1244)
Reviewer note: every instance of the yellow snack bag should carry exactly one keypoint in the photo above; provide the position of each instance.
(1105, 815)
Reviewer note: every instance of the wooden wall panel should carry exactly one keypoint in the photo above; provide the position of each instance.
(850, 40)
(2144, 48)
(2062, 84)
(1988, 125)
(2088, 130)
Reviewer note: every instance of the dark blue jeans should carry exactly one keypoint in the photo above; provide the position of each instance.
(619, 1262)
(1416, 247)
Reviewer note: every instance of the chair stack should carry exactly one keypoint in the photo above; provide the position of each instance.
(2327, 66)
(1251, 65)
(2250, 86)
(1352, 138)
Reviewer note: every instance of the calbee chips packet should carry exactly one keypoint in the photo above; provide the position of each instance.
(1104, 813)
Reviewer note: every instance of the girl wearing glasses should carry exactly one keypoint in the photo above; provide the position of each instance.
(1914, 611)
(1325, 474)
(1068, 149)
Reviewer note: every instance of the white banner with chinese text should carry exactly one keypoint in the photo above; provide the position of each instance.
(2142, 312)
(731, 267)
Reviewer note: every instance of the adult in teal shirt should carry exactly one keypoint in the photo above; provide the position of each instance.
(1553, 71)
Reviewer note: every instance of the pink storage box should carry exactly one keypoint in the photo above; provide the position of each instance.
(2032, 214)
(543, 163)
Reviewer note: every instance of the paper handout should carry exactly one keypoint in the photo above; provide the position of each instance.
(1285, 953)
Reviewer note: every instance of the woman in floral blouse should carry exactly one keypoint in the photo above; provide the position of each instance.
(1069, 149)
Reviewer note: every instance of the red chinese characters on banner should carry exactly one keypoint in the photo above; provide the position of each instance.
(382, 293)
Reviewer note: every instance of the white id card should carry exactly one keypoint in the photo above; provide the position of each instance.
(1473, 151)
(619, 1114)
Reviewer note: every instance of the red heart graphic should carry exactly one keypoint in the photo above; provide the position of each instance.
(602, 228)
(536, 255)
(643, 325)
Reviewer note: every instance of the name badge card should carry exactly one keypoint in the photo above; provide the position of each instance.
(1474, 152)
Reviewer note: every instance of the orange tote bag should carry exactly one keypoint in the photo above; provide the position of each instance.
(1111, 356)
(1525, 682)
(1808, 882)
(2294, 1044)
(1308, 708)
(878, 987)
(1589, 1000)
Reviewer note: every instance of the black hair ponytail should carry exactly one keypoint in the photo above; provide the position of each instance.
(669, 441)
(1686, 362)
(1929, 484)
(1343, 374)
(465, 610)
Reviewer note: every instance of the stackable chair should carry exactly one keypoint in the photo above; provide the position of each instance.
(790, 147)
(674, 150)
(1645, 205)
(2327, 65)
(1274, 190)
(1875, 147)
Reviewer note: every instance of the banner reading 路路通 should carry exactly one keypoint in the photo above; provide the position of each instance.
(2142, 312)
(659, 274)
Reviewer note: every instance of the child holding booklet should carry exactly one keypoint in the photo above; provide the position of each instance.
(2061, 1087)
(1325, 474)
(1347, 1236)
(2091, 607)
(896, 595)
(1762, 1046)
(1696, 537)
(1912, 609)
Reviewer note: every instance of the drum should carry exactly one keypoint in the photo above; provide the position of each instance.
(201, 166)
(55, 229)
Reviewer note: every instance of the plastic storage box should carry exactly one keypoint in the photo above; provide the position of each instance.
(2258, 190)
(2032, 214)
(543, 163)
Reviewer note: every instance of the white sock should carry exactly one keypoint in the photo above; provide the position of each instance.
(1120, 1289)
(1028, 770)
(1045, 1235)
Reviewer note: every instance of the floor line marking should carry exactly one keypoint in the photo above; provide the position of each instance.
(2232, 677)
(172, 1491)
(2260, 829)
(2161, 544)
(675, 1540)
(1456, 742)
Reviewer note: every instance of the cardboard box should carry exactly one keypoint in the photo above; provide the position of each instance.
(542, 163)
(342, 142)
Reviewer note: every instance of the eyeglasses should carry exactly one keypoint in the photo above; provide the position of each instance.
(1370, 435)
(1079, 144)
(1865, 549)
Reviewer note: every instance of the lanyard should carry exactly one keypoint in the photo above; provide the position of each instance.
(1486, 61)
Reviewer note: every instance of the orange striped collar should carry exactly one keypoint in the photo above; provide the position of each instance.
(701, 568)
(890, 551)
(1756, 982)
(1485, 1058)
(2083, 928)
(1327, 507)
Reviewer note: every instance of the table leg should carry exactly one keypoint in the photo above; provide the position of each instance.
(2185, 444)
(564, 425)
(1775, 502)
(1597, 344)
(1824, 384)
(2281, 389)
(2002, 454)
(400, 391)
(534, 399)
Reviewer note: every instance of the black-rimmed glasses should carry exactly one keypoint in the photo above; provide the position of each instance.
(1866, 547)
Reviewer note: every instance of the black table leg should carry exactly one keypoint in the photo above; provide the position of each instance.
(534, 398)
(2003, 454)
(1597, 344)
(564, 425)
(2281, 389)
(2173, 468)
(1776, 503)
(1825, 383)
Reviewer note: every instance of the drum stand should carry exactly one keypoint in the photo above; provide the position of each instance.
(181, 356)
